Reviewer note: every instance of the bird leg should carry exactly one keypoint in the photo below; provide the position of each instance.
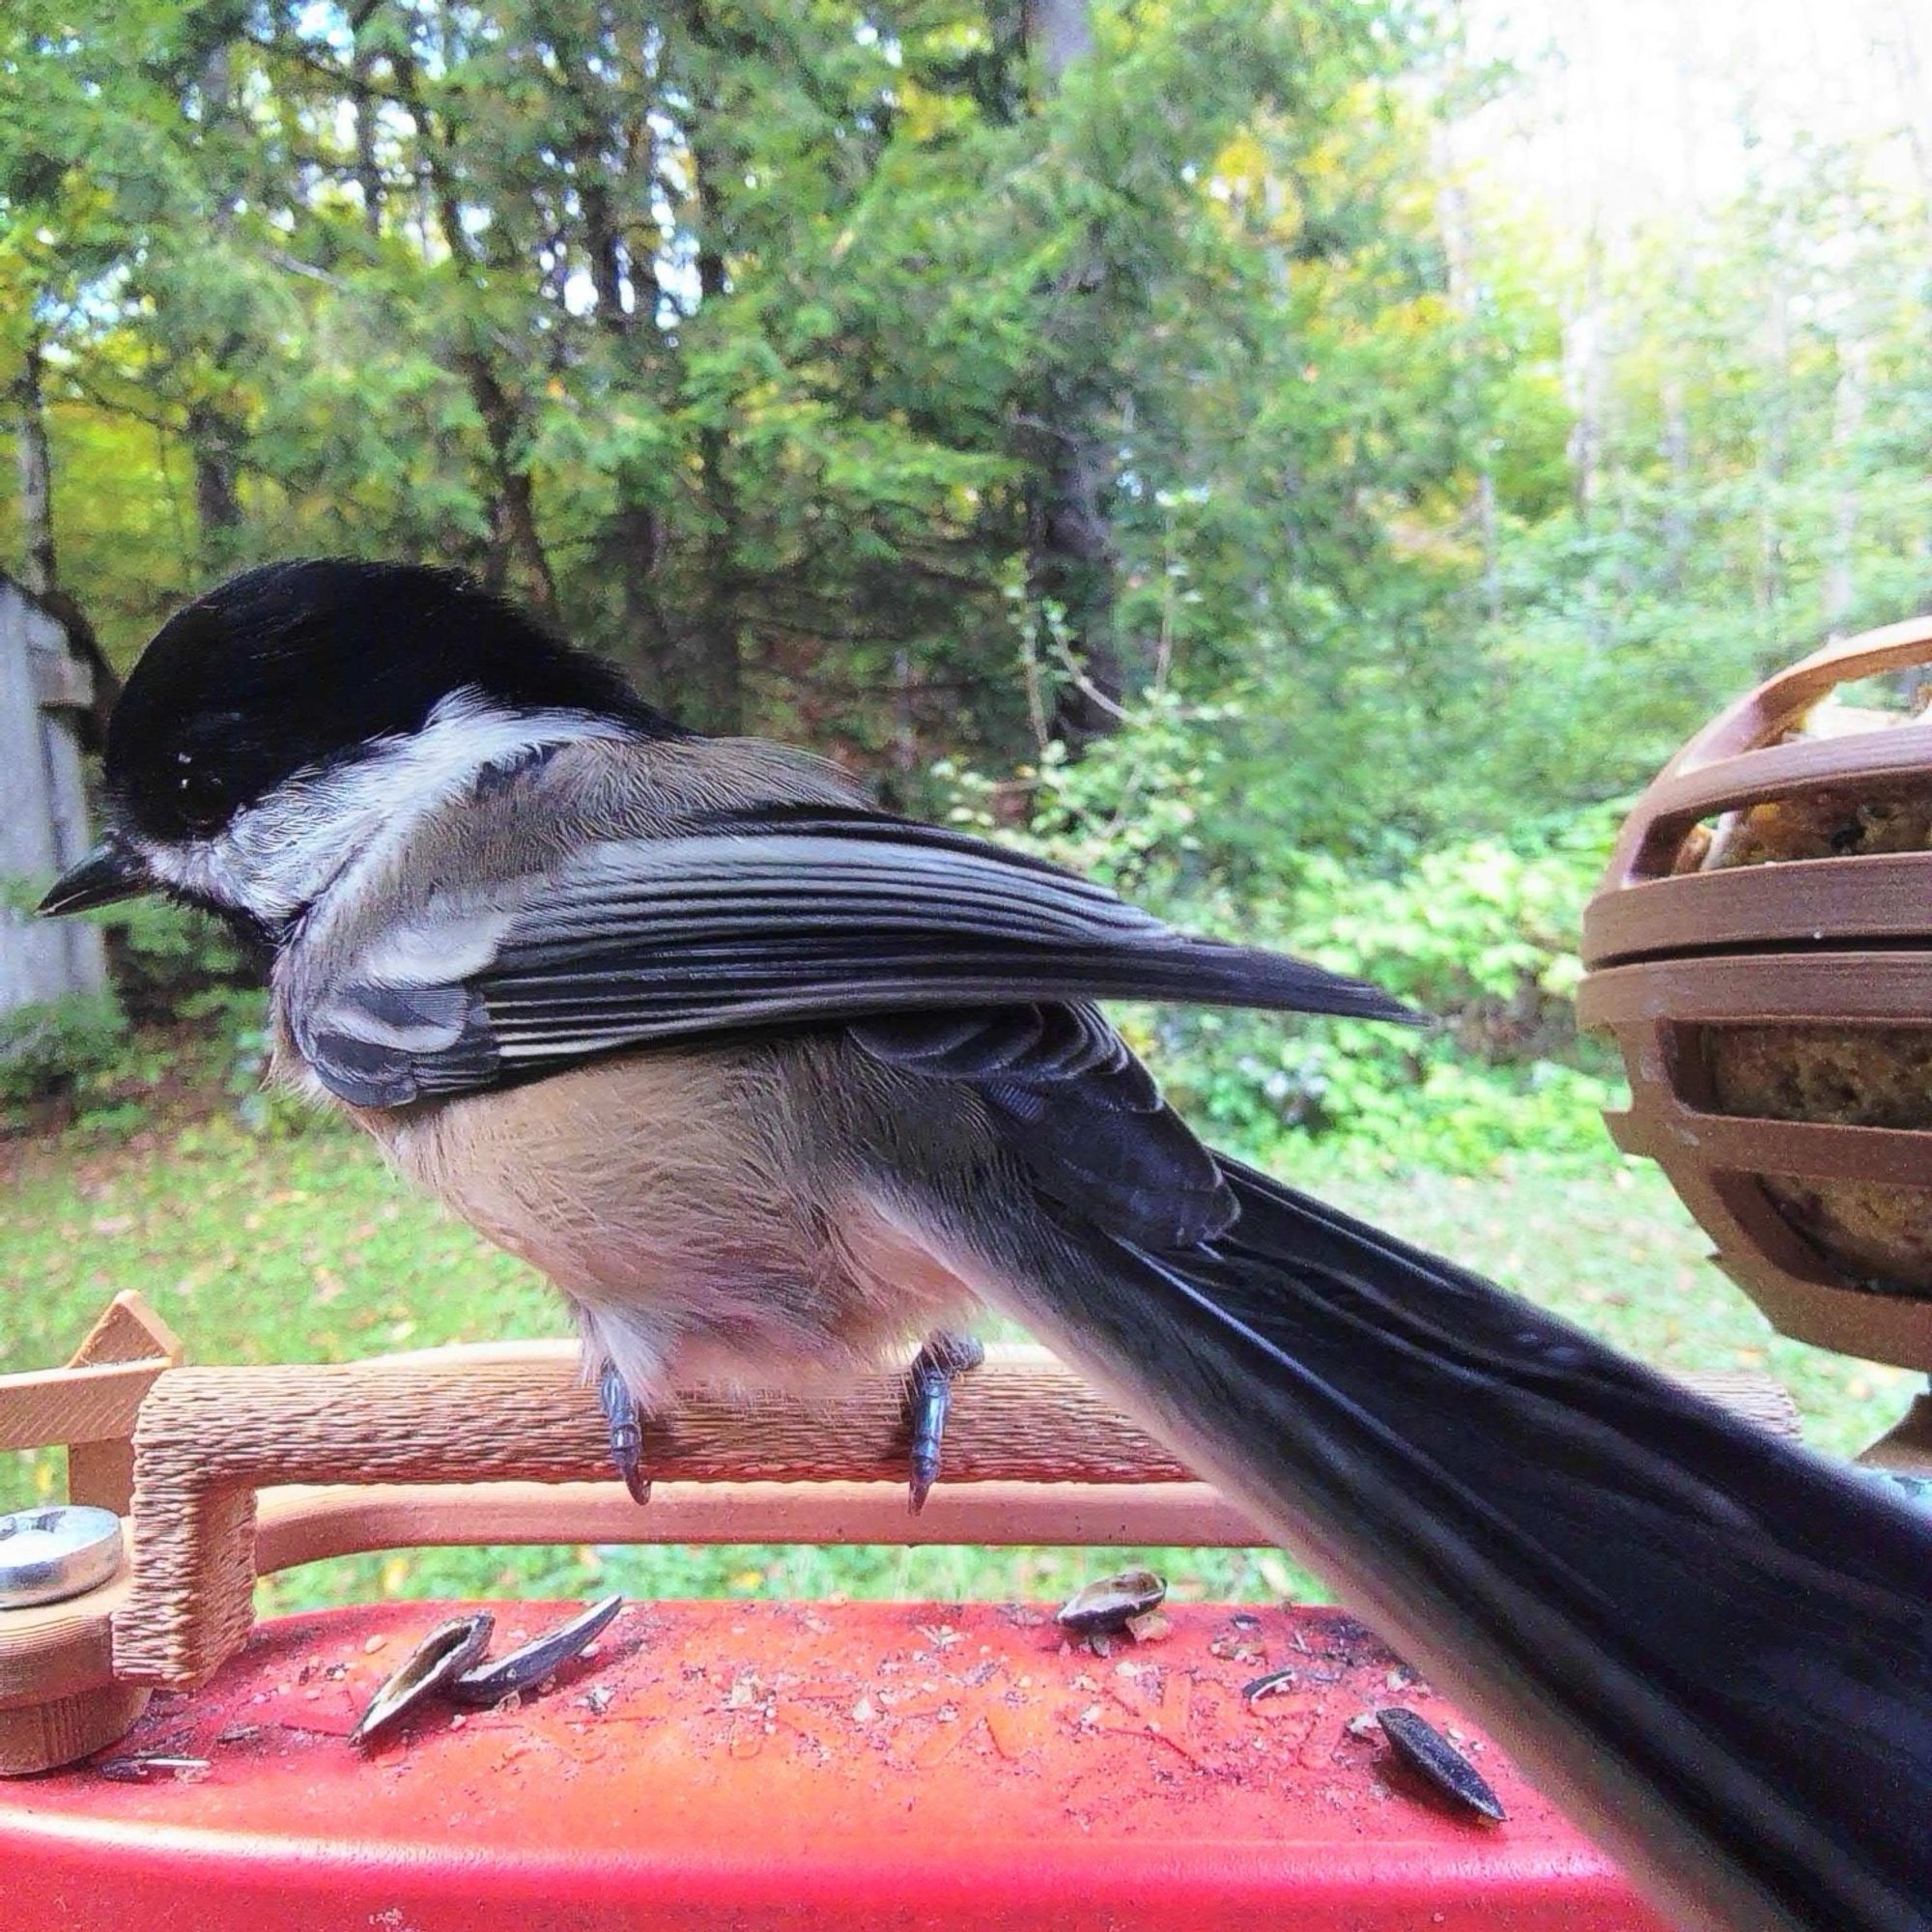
(928, 1397)
(625, 1421)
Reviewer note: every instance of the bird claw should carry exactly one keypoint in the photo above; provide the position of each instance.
(625, 1422)
(928, 1399)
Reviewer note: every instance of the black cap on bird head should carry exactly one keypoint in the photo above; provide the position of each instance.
(296, 666)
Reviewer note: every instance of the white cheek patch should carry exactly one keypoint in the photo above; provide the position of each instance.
(204, 868)
(316, 829)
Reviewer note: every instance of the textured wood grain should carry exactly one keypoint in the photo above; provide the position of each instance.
(97, 1402)
(209, 1439)
(101, 1472)
(303, 1524)
(39, 1737)
(530, 1418)
(56, 1650)
(129, 1330)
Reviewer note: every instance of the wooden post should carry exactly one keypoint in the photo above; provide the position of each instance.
(44, 825)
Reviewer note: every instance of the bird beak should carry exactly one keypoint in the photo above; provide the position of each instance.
(109, 873)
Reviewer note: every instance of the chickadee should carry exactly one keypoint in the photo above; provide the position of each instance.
(770, 1082)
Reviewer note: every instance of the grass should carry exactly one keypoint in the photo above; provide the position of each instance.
(302, 1248)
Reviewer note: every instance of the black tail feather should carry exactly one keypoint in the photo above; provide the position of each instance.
(1717, 1644)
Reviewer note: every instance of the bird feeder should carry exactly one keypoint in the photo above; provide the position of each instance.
(1761, 946)
(173, 1763)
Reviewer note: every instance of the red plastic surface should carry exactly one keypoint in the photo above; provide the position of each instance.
(775, 1765)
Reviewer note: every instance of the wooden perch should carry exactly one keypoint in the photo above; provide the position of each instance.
(239, 1472)
(208, 1438)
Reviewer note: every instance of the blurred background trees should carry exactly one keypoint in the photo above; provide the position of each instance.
(1305, 459)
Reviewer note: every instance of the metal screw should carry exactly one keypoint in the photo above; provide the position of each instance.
(47, 1554)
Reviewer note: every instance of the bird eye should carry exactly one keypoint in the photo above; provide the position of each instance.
(200, 798)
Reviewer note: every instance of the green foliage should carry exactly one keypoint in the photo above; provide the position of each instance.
(51, 1048)
(1387, 1100)
(1479, 937)
(79, 1063)
(1125, 814)
(262, 1107)
(182, 1013)
(171, 962)
(1481, 940)
(735, 338)
(1482, 933)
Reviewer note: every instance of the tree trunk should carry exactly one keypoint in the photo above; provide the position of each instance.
(1452, 221)
(516, 544)
(1848, 415)
(217, 501)
(513, 511)
(1059, 32)
(37, 473)
(1486, 529)
(708, 672)
(1774, 455)
(368, 164)
(1070, 558)
(1677, 459)
(213, 437)
(1585, 364)
(1899, 37)
(630, 543)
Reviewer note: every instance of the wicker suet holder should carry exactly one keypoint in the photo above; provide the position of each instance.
(1761, 946)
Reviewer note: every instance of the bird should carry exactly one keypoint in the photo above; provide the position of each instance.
(774, 1084)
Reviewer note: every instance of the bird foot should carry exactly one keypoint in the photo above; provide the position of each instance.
(626, 1423)
(928, 1398)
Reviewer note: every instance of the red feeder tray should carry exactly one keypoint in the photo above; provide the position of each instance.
(765, 1765)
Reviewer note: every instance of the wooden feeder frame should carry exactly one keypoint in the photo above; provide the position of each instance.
(228, 1475)
(1812, 942)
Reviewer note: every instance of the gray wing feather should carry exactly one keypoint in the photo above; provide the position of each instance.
(754, 925)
